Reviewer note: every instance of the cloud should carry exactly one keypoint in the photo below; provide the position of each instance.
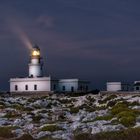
(46, 21)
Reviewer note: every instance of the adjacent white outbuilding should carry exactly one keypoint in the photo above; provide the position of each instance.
(117, 86)
(73, 85)
(136, 86)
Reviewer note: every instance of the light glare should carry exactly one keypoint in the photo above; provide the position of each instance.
(35, 53)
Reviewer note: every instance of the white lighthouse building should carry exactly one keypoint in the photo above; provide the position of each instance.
(36, 82)
(35, 65)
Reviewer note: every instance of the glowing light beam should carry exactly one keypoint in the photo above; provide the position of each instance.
(16, 29)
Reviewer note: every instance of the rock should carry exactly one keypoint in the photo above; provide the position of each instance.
(136, 107)
(95, 130)
(134, 99)
(2, 114)
(18, 122)
(57, 134)
(29, 127)
(43, 134)
(137, 124)
(28, 118)
(3, 121)
(106, 128)
(74, 125)
(18, 132)
(67, 136)
(89, 116)
(86, 130)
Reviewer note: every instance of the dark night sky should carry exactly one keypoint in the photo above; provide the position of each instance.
(97, 40)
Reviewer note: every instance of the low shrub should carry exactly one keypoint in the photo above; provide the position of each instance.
(37, 118)
(49, 106)
(62, 117)
(51, 128)
(37, 106)
(126, 114)
(128, 134)
(91, 99)
(2, 106)
(106, 118)
(27, 109)
(103, 107)
(12, 115)
(128, 121)
(2, 103)
(82, 136)
(87, 107)
(30, 100)
(101, 101)
(111, 103)
(48, 138)
(74, 110)
(5, 132)
(114, 121)
(136, 103)
(17, 106)
(73, 94)
(109, 98)
(119, 107)
(65, 101)
(43, 111)
(99, 118)
(25, 137)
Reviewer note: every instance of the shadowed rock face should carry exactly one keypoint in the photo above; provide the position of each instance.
(63, 117)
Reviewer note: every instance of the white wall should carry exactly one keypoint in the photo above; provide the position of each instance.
(114, 86)
(35, 70)
(42, 85)
(46, 84)
(68, 83)
(136, 86)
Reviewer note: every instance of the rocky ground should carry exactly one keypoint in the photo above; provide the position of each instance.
(65, 117)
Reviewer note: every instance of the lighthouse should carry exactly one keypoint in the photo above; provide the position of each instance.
(36, 82)
(36, 64)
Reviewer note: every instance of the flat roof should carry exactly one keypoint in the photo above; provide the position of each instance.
(30, 79)
(73, 80)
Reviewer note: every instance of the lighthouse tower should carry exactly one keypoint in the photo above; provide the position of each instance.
(35, 65)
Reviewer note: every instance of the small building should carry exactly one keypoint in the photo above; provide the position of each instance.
(136, 86)
(117, 86)
(73, 85)
(40, 84)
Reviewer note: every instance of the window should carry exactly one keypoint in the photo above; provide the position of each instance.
(63, 88)
(72, 89)
(86, 88)
(16, 87)
(26, 87)
(137, 88)
(35, 87)
(81, 88)
(54, 87)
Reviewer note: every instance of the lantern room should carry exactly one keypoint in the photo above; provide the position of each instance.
(35, 52)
